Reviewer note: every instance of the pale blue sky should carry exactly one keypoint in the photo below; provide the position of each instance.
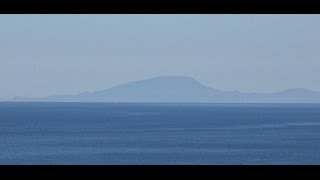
(44, 55)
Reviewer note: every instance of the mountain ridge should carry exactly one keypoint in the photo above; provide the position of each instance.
(180, 89)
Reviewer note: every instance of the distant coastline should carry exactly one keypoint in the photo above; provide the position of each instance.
(178, 89)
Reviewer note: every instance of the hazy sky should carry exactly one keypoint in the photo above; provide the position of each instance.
(44, 55)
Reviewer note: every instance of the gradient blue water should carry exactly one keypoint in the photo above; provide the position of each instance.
(146, 133)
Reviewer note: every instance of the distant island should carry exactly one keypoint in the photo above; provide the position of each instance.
(179, 89)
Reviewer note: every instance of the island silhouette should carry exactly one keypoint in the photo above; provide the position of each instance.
(180, 89)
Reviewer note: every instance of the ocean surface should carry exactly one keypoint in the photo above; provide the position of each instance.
(159, 133)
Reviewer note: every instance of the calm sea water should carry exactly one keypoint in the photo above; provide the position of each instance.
(147, 133)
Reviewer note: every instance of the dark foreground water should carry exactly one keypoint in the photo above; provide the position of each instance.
(145, 133)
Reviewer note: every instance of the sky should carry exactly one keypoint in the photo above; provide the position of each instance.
(43, 55)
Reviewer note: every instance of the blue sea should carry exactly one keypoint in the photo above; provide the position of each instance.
(159, 133)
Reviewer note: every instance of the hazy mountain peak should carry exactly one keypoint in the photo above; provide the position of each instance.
(163, 82)
(181, 89)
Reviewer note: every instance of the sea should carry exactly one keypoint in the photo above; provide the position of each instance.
(159, 134)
